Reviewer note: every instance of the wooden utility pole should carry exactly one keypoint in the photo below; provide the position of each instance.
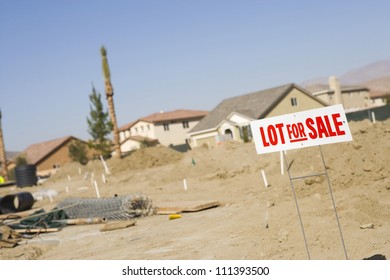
(3, 157)
(110, 100)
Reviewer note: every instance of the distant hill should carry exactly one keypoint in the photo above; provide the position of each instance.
(366, 73)
(11, 154)
(380, 84)
(375, 76)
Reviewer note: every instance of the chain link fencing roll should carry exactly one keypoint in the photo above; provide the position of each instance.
(116, 208)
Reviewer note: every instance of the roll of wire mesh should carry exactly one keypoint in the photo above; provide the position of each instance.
(115, 208)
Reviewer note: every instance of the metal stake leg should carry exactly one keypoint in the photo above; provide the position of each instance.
(334, 204)
(296, 204)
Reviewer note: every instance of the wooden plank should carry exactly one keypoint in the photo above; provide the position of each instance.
(36, 230)
(82, 221)
(186, 206)
(117, 225)
(167, 212)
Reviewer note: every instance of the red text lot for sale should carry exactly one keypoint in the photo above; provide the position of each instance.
(303, 129)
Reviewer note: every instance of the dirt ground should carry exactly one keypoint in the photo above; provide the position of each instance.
(253, 222)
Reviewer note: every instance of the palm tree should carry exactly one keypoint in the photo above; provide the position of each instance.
(110, 100)
(3, 157)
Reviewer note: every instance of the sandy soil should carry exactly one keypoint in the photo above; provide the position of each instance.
(253, 222)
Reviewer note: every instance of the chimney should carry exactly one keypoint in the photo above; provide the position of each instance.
(334, 85)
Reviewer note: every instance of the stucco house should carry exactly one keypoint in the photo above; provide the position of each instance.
(168, 128)
(230, 119)
(50, 155)
(378, 98)
(352, 98)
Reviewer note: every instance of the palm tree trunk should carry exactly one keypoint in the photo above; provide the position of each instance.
(3, 157)
(115, 130)
(110, 101)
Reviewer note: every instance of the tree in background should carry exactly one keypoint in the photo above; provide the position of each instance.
(110, 100)
(78, 152)
(21, 160)
(99, 127)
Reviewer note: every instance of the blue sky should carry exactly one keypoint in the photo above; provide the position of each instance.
(168, 55)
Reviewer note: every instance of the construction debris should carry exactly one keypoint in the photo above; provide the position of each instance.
(16, 202)
(8, 237)
(185, 206)
(117, 225)
(367, 226)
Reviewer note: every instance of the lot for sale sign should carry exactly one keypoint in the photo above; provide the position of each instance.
(302, 129)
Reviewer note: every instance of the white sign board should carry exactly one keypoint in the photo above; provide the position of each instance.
(302, 129)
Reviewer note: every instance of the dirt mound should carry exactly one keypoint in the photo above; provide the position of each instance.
(146, 158)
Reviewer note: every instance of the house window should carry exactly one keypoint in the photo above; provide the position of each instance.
(136, 130)
(166, 127)
(148, 127)
(185, 124)
(294, 101)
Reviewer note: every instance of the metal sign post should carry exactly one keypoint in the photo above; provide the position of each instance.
(325, 173)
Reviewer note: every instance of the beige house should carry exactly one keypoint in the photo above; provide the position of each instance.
(168, 128)
(378, 98)
(230, 119)
(353, 98)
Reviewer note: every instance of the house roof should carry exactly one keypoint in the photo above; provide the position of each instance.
(126, 126)
(377, 94)
(254, 105)
(346, 89)
(174, 115)
(140, 139)
(167, 116)
(35, 153)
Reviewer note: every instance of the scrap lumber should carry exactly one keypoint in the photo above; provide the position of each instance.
(185, 206)
(36, 230)
(82, 221)
(117, 225)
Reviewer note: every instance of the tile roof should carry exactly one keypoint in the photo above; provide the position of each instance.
(344, 90)
(378, 94)
(255, 105)
(39, 151)
(126, 126)
(174, 115)
(167, 116)
(140, 139)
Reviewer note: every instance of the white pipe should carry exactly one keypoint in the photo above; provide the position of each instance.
(105, 165)
(264, 178)
(185, 184)
(373, 117)
(97, 189)
(281, 163)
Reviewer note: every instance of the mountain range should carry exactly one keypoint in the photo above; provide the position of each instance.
(375, 76)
